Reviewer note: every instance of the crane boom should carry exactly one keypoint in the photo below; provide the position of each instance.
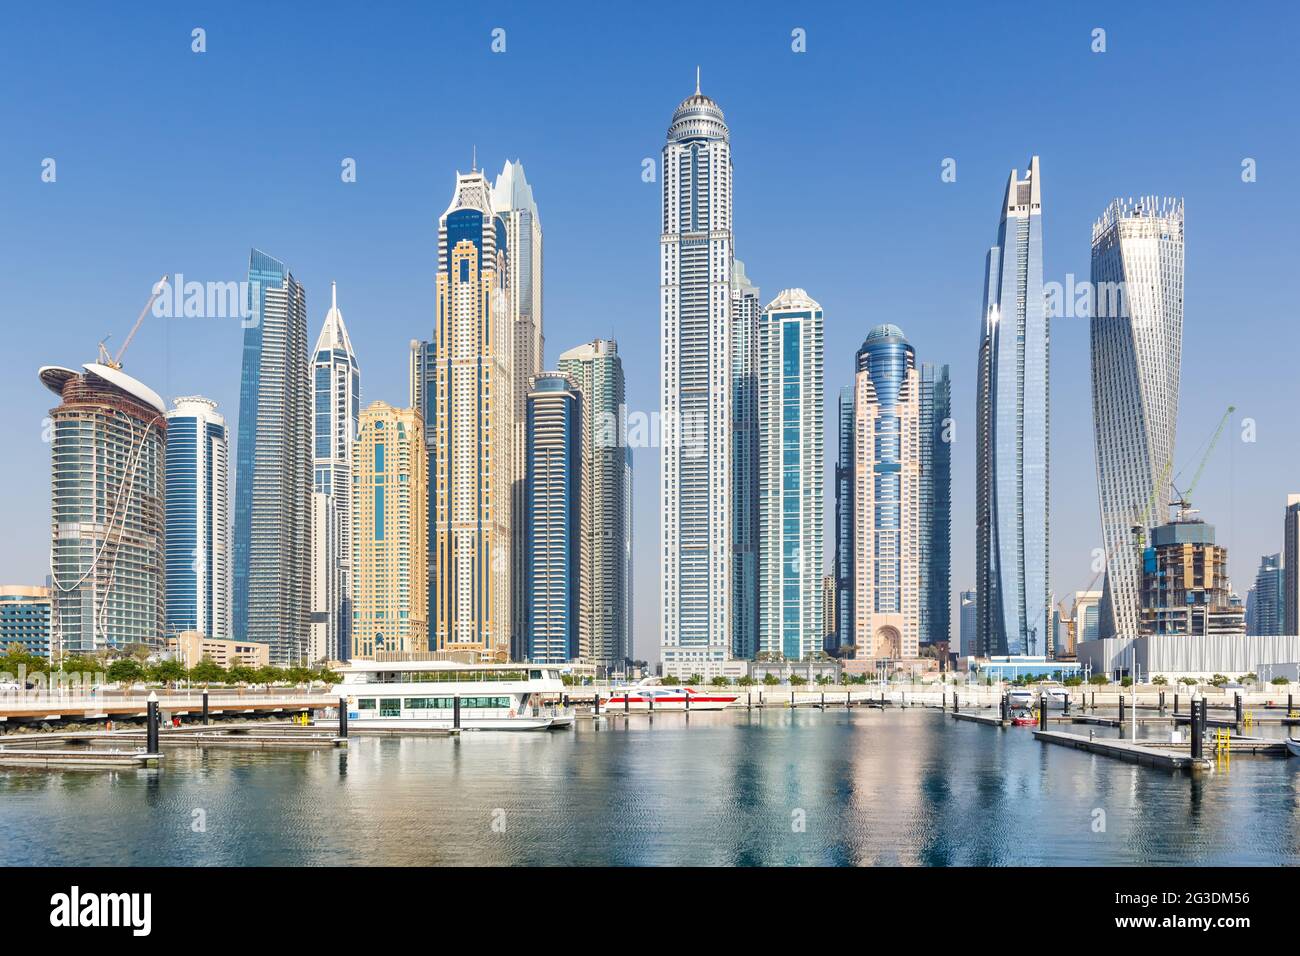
(1184, 501)
(157, 291)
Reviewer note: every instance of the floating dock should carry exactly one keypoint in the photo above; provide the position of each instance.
(59, 759)
(1164, 758)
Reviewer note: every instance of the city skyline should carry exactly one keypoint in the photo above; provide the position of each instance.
(166, 367)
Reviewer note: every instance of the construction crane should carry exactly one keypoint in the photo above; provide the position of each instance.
(1184, 499)
(116, 361)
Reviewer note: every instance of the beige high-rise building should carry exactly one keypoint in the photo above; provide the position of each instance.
(390, 567)
(462, 383)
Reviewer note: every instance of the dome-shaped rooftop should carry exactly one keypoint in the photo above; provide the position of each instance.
(698, 117)
(884, 333)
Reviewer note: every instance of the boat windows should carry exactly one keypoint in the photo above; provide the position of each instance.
(390, 707)
(367, 703)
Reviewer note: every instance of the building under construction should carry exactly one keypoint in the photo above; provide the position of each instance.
(108, 444)
(1185, 586)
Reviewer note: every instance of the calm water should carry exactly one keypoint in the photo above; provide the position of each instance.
(904, 787)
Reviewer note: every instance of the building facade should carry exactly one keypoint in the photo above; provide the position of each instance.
(696, 252)
(468, 406)
(1291, 566)
(25, 619)
(844, 524)
(967, 608)
(829, 615)
(336, 413)
(514, 205)
(1137, 337)
(596, 371)
(271, 591)
(198, 519)
(746, 309)
(108, 510)
(1012, 509)
(791, 476)
(390, 569)
(1185, 586)
(557, 569)
(192, 647)
(936, 504)
(1265, 611)
(886, 498)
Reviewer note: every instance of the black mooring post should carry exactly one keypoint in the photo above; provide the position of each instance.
(1162, 703)
(749, 700)
(596, 705)
(1121, 711)
(1042, 711)
(1288, 705)
(956, 702)
(823, 700)
(1197, 741)
(1067, 703)
(1175, 705)
(206, 721)
(151, 733)
(650, 699)
(343, 717)
(686, 694)
(1240, 711)
(455, 710)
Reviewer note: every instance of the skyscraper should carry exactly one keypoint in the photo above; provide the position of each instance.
(1012, 432)
(1185, 587)
(558, 517)
(468, 409)
(25, 619)
(596, 372)
(1265, 614)
(512, 201)
(968, 622)
(390, 557)
(336, 385)
(198, 519)
(936, 503)
(695, 264)
(1137, 337)
(108, 518)
(886, 498)
(271, 597)
(844, 523)
(791, 476)
(1291, 566)
(745, 311)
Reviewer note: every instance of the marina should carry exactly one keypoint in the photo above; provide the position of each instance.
(892, 786)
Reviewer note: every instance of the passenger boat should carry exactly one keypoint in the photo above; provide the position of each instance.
(1293, 747)
(440, 694)
(648, 696)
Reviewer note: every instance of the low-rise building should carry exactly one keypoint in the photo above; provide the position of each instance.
(25, 619)
(190, 647)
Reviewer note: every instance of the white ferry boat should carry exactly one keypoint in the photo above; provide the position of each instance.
(648, 696)
(445, 694)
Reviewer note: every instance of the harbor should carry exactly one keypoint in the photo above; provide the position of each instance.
(902, 785)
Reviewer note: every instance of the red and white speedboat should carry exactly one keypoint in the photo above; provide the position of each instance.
(645, 696)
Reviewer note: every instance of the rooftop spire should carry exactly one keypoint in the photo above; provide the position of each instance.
(334, 295)
(697, 80)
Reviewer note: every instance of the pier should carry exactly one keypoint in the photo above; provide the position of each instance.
(1163, 758)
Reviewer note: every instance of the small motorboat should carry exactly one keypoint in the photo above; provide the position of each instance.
(1293, 747)
(1023, 718)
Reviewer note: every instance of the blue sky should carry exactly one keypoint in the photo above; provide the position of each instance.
(171, 161)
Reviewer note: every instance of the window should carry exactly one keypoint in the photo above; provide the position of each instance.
(390, 706)
(366, 704)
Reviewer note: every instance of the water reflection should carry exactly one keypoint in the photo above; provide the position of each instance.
(773, 787)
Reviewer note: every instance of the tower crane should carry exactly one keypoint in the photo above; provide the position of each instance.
(116, 361)
(1184, 499)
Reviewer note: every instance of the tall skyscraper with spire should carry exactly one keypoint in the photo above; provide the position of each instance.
(1137, 340)
(1012, 432)
(512, 201)
(696, 255)
(462, 382)
(272, 573)
(336, 386)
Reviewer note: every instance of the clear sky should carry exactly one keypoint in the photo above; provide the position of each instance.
(171, 161)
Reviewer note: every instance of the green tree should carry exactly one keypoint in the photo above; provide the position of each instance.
(241, 674)
(166, 672)
(771, 680)
(1099, 680)
(269, 675)
(719, 681)
(1160, 680)
(823, 679)
(745, 681)
(798, 680)
(1280, 681)
(207, 671)
(1126, 682)
(1218, 680)
(125, 670)
(1189, 681)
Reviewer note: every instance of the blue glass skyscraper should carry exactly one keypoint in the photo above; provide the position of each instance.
(271, 593)
(936, 503)
(554, 516)
(1012, 432)
(198, 519)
